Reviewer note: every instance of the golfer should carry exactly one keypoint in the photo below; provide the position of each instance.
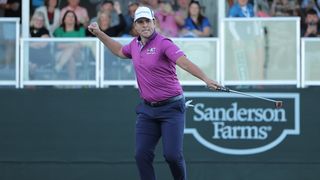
(162, 110)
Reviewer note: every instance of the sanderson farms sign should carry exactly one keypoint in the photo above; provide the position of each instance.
(234, 124)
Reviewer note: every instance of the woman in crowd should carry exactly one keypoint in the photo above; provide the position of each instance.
(81, 12)
(69, 28)
(51, 15)
(37, 26)
(196, 25)
(39, 54)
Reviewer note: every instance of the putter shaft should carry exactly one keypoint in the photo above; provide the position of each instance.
(225, 89)
(251, 95)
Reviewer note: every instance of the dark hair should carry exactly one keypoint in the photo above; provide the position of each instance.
(200, 17)
(76, 26)
(46, 3)
(107, 2)
(311, 12)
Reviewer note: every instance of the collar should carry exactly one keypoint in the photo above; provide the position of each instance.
(154, 34)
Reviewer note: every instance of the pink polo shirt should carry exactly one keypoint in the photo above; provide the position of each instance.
(154, 65)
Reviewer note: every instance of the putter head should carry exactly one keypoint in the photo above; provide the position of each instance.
(278, 104)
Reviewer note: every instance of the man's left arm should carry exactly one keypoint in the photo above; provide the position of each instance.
(193, 69)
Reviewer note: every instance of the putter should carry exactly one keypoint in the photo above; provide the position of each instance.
(278, 104)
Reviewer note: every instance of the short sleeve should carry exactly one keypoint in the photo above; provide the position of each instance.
(172, 51)
(126, 50)
(206, 23)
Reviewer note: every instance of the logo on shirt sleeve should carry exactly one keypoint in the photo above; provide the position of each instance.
(178, 51)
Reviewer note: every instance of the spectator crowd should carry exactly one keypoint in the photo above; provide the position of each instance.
(175, 18)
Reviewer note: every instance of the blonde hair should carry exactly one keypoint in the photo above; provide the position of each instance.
(106, 12)
(36, 15)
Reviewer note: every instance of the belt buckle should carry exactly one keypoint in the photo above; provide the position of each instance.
(153, 103)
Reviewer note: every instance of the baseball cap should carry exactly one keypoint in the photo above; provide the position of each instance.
(143, 12)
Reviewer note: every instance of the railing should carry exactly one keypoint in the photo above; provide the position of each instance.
(114, 70)
(261, 51)
(59, 61)
(203, 52)
(310, 62)
(9, 51)
(250, 52)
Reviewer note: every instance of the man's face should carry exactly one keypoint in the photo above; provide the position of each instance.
(145, 27)
(107, 7)
(183, 3)
(312, 19)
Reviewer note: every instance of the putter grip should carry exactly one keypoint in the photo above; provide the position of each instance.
(223, 89)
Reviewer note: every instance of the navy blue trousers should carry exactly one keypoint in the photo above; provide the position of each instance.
(167, 122)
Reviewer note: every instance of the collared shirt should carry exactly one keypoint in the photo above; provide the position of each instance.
(154, 64)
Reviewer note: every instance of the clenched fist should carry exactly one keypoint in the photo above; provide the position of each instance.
(94, 28)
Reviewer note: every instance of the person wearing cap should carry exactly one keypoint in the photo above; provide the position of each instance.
(161, 113)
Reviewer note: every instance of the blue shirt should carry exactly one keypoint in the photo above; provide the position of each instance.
(192, 26)
(37, 3)
(236, 11)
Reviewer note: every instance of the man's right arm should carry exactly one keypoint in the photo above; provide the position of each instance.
(114, 46)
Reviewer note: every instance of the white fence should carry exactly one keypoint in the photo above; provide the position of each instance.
(310, 62)
(261, 51)
(9, 51)
(251, 51)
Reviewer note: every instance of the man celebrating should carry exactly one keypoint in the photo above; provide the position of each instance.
(162, 110)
